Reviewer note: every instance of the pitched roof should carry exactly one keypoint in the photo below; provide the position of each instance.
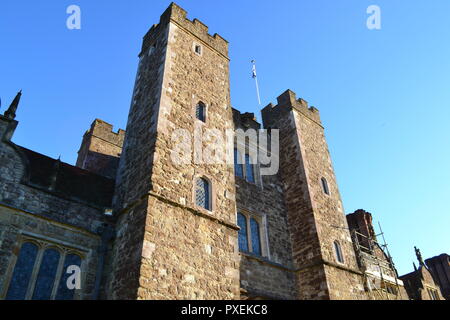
(68, 181)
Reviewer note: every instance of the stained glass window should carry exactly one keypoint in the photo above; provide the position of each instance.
(200, 111)
(46, 276)
(202, 194)
(249, 169)
(243, 240)
(256, 239)
(64, 293)
(238, 168)
(22, 272)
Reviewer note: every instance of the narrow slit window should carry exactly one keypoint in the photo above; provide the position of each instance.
(325, 188)
(198, 49)
(338, 252)
(200, 112)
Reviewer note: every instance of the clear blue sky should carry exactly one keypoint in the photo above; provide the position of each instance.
(383, 95)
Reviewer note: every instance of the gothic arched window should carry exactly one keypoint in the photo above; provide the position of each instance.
(203, 194)
(46, 276)
(338, 252)
(64, 293)
(238, 167)
(243, 238)
(200, 111)
(22, 272)
(325, 188)
(256, 237)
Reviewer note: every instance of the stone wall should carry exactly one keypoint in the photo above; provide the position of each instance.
(315, 219)
(173, 248)
(33, 211)
(101, 149)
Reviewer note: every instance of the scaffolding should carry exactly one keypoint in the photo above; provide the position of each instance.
(380, 275)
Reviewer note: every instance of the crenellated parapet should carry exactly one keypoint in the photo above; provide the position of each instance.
(285, 103)
(178, 16)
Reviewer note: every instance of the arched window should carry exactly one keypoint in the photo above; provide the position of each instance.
(64, 293)
(238, 167)
(249, 169)
(203, 193)
(22, 272)
(325, 188)
(256, 238)
(46, 276)
(338, 252)
(243, 239)
(200, 112)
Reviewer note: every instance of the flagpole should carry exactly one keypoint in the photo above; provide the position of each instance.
(256, 80)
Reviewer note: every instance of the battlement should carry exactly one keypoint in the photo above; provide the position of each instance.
(285, 103)
(104, 131)
(245, 120)
(178, 15)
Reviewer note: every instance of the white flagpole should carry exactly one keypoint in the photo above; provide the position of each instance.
(256, 80)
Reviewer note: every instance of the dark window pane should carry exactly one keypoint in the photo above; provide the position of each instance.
(325, 186)
(46, 276)
(202, 194)
(256, 239)
(249, 169)
(339, 256)
(243, 240)
(238, 168)
(22, 272)
(200, 112)
(64, 293)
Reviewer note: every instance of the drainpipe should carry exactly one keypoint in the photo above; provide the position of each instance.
(107, 233)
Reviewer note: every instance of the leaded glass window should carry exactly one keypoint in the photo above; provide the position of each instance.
(238, 167)
(256, 238)
(64, 293)
(243, 239)
(249, 169)
(37, 270)
(22, 272)
(46, 276)
(202, 194)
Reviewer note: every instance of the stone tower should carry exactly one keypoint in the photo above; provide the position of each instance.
(167, 247)
(317, 223)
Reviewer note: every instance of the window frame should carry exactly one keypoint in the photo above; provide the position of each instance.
(263, 233)
(42, 245)
(338, 253)
(203, 105)
(211, 187)
(325, 186)
(244, 152)
(196, 45)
